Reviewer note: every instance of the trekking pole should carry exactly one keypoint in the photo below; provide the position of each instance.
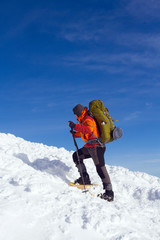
(80, 168)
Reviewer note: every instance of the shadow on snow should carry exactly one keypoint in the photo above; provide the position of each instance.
(53, 167)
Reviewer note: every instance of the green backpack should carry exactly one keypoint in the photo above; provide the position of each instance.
(108, 132)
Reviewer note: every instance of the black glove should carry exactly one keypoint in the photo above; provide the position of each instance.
(71, 124)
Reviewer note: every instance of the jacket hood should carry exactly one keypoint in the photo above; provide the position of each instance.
(83, 114)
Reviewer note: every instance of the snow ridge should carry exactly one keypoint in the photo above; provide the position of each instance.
(36, 202)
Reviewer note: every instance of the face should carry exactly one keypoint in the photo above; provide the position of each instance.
(76, 116)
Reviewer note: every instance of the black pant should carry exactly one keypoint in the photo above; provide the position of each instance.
(97, 154)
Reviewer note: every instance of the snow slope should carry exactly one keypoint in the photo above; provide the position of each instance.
(36, 202)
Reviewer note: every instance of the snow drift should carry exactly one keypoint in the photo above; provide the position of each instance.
(36, 202)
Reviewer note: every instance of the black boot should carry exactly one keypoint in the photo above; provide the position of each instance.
(107, 195)
(84, 179)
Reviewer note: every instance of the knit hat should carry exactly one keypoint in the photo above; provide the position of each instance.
(78, 109)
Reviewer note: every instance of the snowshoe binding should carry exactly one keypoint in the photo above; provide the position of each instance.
(83, 180)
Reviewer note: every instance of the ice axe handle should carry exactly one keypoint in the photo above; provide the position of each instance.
(75, 143)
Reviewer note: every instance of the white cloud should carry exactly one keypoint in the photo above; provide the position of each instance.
(143, 8)
(132, 116)
(153, 161)
(149, 105)
(28, 19)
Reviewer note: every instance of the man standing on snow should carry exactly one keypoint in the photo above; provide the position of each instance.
(88, 131)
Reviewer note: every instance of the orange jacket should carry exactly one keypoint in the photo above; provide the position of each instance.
(86, 128)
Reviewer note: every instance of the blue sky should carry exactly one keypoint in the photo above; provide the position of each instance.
(56, 54)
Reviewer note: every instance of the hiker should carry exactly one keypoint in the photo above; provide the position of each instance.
(88, 131)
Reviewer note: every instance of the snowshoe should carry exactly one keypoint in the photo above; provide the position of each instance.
(81, 186)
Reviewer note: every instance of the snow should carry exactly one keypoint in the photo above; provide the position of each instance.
(36, 202)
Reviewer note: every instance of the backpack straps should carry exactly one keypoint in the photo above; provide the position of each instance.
(95, 141)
